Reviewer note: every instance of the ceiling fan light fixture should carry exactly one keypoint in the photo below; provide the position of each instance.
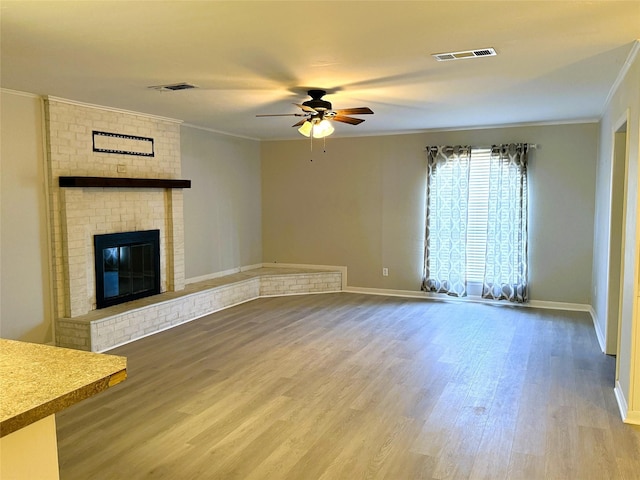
(306, 128)
(323, 129)
(316, 128)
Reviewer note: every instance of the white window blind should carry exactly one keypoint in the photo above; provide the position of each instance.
(477, 219)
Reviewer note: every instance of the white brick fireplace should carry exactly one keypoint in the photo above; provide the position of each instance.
(79, 213)
(89, 141)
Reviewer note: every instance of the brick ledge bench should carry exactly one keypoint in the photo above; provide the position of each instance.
(110, 327)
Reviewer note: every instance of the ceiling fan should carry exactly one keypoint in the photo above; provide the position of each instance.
(318, 113)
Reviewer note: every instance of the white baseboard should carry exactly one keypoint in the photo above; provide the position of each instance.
(622, 402)
(573, 307)
(401, 293)
(631, 417)
(576, 307)
(385, 291)
(599, 333)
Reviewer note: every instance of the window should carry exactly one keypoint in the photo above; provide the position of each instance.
(478, 214)
(476, 239)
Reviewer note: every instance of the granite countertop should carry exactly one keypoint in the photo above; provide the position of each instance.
(39, 380)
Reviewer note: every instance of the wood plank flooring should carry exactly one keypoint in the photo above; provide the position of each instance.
(349, 386)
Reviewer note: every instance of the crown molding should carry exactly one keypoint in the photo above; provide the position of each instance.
(20, 93)
(220, 132)
(622, 73)
(111, 109)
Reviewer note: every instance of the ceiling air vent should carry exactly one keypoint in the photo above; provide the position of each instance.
(482, 52)
(173, 87)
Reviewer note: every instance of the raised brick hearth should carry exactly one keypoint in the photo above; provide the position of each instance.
(104, 329)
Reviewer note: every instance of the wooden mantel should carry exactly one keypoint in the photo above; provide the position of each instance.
(115, 182)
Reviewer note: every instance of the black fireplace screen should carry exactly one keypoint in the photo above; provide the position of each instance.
(127, 266)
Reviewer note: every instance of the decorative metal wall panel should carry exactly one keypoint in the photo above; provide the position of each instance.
(106, 142)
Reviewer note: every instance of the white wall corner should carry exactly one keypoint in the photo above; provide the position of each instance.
(596, 326)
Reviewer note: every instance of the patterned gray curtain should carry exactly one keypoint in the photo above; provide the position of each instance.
(447, 210)
(506, 261)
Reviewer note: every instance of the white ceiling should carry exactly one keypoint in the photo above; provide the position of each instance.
(557, 60)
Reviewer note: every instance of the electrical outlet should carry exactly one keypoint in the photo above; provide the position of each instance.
(385, 272)
(122, 169)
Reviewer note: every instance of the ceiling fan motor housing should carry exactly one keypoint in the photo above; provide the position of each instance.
(316, 110)
(316, 101)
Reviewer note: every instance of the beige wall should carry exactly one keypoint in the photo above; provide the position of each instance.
(24, 280)
(222, 214)
(624, 104)
(361, 204)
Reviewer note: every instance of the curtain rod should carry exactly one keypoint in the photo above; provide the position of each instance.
(533, 146)
(529, 145)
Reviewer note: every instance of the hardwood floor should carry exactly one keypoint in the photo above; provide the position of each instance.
(346, 386)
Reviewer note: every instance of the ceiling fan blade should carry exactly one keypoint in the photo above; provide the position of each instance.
(345, 119)
(282, 115)
(299, 123)
(306, 108)
(354, 111)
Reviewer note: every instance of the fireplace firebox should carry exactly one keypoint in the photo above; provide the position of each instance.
(127, 266)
